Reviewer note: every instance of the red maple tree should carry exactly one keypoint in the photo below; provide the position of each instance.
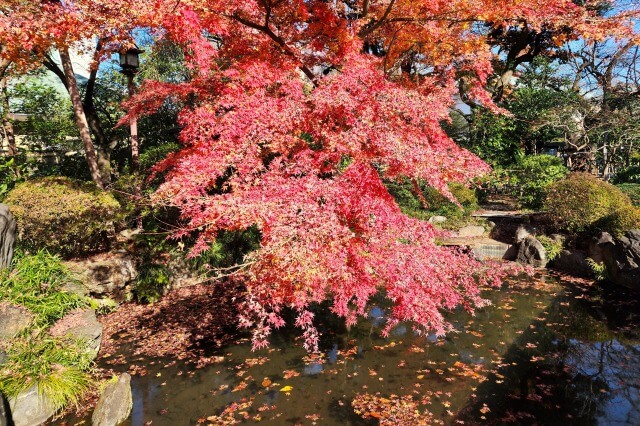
(299, 109)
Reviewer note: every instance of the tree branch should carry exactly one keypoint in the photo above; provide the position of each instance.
(91, 83)
(374, 26)
(51, 65)
(265, 29)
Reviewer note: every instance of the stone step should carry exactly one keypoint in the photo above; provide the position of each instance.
(484, 248)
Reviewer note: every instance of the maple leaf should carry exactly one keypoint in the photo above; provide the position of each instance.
(296, 113)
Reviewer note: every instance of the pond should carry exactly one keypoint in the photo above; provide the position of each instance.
(547, 351)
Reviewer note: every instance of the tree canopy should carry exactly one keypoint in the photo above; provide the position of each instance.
(294, 114)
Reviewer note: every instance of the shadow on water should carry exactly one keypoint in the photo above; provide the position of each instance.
(579, 364)
(543, 353)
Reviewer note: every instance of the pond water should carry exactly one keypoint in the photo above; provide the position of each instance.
(546, 351)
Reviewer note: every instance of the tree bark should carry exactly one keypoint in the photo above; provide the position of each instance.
(103, 146)
(80, 117)
(7, 126)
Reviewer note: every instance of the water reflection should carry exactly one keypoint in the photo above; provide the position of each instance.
(541, 354)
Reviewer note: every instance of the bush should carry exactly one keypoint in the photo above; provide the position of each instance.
(534, 173)
(465, 196)
(35, 282)
(64, 216)
(153, 154)
(632, 190)
(553, 247)
(582, 203)
(436, 203)
(630, 174)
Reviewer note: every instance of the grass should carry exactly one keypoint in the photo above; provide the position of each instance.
(57, 367)
(35, 282)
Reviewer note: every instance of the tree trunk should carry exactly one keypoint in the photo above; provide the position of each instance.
(103, 146)
(7, 126)
(81, 119)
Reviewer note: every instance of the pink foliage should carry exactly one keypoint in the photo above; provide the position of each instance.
(272, 142)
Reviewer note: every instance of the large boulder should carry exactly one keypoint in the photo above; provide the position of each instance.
(31, 409)
(596, 246)
(82, 325)
(13, 319)
(573, 263)
(531, 252)
(621, 256)
(106, 276)
(115, 403)
(7, 236)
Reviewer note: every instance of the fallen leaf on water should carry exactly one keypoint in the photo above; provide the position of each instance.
(286, 389)
(287, 374)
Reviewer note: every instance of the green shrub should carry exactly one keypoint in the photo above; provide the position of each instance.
(599, 270)
(151, 283)
(64, 216)
(35, 282)
(551, 246)
(10, 175)
(533, 174)
(57, 367)
(632, 190)
(436, 203)
(153, 154)
(582, 203)
(465, 196)
(630, 174)
(620, 221)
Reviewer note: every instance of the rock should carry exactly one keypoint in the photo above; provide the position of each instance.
(621, 256)
(115, 403)
(557, 238)
(129, 234)
(75, 287)
(80, 324)
(471, 231)
(31, 409)
(4, 412)
(573, 263)
(596, 245)
(13, 319)
(437, 219)
(3, 357)
(531, 252)
(521, 234)
(7, 236)
(105, 275)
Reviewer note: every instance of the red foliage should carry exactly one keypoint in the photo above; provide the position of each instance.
(272, 141)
